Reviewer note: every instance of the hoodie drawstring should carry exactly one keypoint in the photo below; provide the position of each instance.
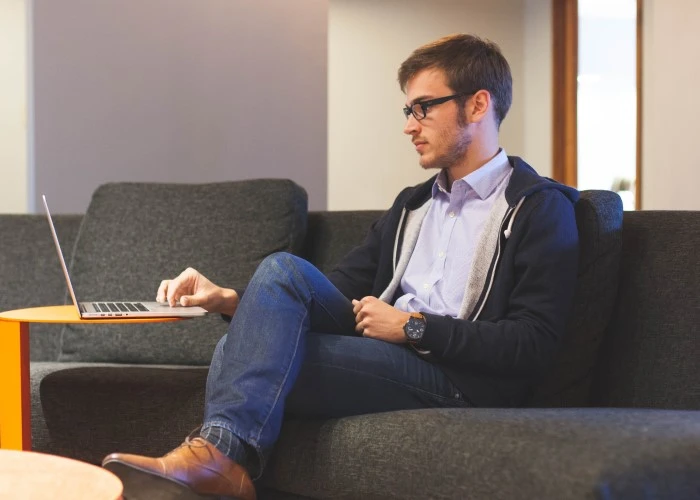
(509, 229)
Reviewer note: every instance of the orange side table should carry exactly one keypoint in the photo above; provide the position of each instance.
(15, 416)
(35, 476)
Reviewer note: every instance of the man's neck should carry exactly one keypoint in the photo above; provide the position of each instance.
(475, 158)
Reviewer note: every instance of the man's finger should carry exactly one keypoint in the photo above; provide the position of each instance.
(162, 291)
(192, 300)
(174, 292)
(360, 316)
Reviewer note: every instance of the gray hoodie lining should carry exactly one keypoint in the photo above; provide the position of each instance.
(414, 221)
(485, 251)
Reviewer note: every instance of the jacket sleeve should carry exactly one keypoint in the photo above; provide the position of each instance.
(524, 340)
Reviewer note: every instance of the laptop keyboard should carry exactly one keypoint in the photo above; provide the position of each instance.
(119, 307)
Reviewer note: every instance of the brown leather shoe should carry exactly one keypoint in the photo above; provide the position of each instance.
(194, 470)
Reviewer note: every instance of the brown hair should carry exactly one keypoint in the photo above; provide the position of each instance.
(470, 64)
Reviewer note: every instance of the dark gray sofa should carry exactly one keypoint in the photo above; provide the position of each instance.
(615, 418)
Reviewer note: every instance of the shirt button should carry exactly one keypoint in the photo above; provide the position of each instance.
(452, 214)
(426, 285)
(441, 254)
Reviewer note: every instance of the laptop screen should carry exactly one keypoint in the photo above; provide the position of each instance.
(60, 255)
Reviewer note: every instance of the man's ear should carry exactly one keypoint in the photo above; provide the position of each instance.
(479, 105)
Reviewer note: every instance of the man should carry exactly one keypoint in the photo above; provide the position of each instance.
(457, 297)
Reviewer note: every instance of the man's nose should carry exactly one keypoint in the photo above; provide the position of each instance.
(412, 125)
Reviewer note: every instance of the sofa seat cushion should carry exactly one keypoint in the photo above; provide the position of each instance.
(134, 235)
(88, 410)
(491, 453)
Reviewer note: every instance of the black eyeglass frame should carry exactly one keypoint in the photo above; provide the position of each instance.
(423, 106)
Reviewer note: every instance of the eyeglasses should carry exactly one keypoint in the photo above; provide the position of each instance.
(420, 109)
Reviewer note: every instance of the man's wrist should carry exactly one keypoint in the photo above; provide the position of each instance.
(402, 332)
(414, 328)
(229, 301)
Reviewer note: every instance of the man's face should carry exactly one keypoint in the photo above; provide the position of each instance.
(441, 138)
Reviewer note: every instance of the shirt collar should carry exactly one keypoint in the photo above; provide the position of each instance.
(483, 180)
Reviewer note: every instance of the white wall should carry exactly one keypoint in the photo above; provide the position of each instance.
(369, 158)
(178, 91)
(670, 109)
(537, 86)
(13, 106)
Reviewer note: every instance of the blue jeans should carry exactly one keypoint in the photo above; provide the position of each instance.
(292, 348)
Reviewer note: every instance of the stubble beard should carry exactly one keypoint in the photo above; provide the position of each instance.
(457, 151)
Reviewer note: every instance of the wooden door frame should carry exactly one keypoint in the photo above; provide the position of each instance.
(564, 90)
(564, 94)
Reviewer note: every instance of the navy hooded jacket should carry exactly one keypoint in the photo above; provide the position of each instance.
(497, 354)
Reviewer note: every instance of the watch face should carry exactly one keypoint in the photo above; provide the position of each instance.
(414, 328)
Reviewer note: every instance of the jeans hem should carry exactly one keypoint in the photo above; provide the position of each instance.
(250, 441)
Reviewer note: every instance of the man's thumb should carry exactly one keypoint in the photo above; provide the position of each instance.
(189, 300)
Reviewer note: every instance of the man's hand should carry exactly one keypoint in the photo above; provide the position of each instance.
(378, 320)
(191, 288)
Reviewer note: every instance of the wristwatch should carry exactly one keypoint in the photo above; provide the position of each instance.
(414, 328)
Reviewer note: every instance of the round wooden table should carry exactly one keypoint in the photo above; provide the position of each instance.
(27, 475)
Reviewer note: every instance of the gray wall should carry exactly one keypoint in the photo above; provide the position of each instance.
(178, 91)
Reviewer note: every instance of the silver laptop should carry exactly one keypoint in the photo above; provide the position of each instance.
(109, 309)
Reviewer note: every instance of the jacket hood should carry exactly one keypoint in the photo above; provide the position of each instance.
(525, 181)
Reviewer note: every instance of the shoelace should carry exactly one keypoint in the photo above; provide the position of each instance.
(190, 441)
(194, 435)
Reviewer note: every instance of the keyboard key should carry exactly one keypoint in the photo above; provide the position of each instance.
(112, 307)
(140, 306)
(122, 307)
(130, 306)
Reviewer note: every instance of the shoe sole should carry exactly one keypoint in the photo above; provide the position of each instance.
(142, 485)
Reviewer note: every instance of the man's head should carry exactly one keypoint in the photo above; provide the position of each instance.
(469, 64)
(458, 89)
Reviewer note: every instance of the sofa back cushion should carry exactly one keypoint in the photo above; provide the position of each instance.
(30, 273)
(332, 235)
(599, 221)
(134, 235)
(651, 354)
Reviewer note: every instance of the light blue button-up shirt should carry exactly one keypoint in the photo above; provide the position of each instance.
(437, 272)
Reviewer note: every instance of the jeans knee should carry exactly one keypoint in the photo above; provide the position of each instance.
(282, 268)
(279, 261)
